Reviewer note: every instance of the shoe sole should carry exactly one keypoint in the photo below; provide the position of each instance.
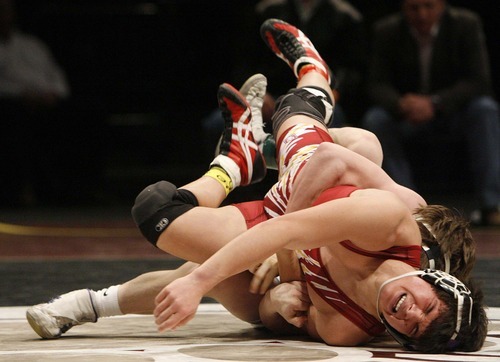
(250, 82)
(33, 315)
(272, 30)
(270, 34)
(226, 90)
(245, 88)
(229, 92)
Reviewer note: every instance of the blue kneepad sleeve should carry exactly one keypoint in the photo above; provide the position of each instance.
(158, 205)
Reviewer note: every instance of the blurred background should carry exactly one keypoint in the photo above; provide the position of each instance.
(143, 75)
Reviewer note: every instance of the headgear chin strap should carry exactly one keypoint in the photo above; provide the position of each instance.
(449, 284)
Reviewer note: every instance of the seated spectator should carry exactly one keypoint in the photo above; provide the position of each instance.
(32, 90)
(430, 79)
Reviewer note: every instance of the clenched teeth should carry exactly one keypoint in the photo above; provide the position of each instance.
(399, 303)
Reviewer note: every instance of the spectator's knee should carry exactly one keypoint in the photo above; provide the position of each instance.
(481, 105)
(375, 118)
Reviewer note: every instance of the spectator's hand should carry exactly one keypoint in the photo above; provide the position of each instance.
(416, 108)
(263, 275)
(177, 303)
(292, 302)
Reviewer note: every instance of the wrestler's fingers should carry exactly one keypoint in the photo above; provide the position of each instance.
(162, 312)
(267, 282)
(166, 307)
(261, 282)
(298, 321)
(174, 321)
(304, 297)
(302, 287)
(171, 316)
(164, 322)
(184, 321)
(264, 275)
(255, 268)
(255, 284)
(162, 302)
(302, 306)
(268, 265)
(161, 318)
(161, 296)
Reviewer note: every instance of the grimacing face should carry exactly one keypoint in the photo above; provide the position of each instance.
(409, 305)
(422, 15)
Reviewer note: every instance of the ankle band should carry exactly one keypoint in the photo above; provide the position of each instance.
(306, 64)
(219, 174)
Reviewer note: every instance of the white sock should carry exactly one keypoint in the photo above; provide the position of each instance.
(106, 302)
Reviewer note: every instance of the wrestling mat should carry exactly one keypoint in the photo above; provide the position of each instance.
(213, 335)
(48, 252)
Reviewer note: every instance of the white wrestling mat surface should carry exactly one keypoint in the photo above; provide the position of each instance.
(213, 335)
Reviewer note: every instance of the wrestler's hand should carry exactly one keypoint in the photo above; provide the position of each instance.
(177, 303)
(263, 275)
(292, 302)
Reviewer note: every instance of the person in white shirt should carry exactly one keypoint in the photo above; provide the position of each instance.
(33, 88)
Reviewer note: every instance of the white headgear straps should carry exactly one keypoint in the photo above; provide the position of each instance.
(430, 256)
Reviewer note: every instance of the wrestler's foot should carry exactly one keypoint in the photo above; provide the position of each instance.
(239, 154)
(294, 47)
(254, 90)
(50, 320)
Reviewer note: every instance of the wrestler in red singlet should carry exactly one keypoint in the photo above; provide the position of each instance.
(297, 145)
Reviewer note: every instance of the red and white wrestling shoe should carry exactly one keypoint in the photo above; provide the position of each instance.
(239, 153)
(293, 46)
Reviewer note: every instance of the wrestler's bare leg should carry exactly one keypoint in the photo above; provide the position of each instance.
(137, 295)
(233, 294)
(359, 140)
(200, 232)
(209, 192)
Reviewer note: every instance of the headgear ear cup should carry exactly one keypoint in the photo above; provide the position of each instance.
(456, 288)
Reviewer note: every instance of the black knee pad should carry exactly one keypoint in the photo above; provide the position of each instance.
(311, 101)
(158, 205)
